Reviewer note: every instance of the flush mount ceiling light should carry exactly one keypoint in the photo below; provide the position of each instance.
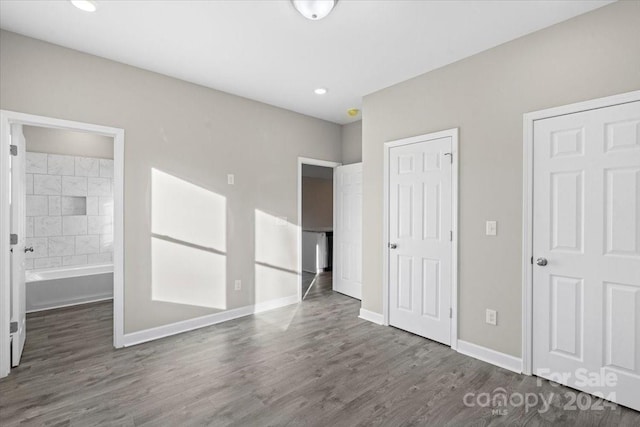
(352, 112)
(320, 91)
(314, 9)
(86, 5)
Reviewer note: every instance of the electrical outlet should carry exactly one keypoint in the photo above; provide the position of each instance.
(491, 228)
(231, 179)
(491, 317)
(238, 285)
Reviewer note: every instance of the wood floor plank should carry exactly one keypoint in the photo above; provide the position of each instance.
(312, 364)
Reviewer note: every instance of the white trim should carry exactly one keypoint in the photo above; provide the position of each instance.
(527, 206)
(488, 355)
(371, 316)
(314, 162)
(204, 321)
(5, 291)
(6, 119)
(453, 134)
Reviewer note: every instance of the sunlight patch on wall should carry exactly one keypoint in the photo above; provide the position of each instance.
(187, 212)
(188, 243)
(186, 275)
(276, 274)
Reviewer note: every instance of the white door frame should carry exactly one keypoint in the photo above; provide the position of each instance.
(453, 133)
(314, 162)
(527, 207)
(7, 118)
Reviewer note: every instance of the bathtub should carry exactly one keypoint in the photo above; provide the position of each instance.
(66, 286)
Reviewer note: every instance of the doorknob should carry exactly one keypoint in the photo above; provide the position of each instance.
(392, 245)
(541, 262)
(29, 249)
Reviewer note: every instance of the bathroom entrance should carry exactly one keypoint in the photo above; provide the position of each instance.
(62, 208)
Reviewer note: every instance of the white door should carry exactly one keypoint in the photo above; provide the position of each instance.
(18, 218)
(586, 246)
(420, 234)
(347, 264)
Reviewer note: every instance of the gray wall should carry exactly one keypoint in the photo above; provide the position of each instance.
(317, 203)
(352, 143)
(61, 141)
(193, 133)
(590, 56)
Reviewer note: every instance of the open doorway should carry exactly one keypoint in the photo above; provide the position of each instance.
(63, 209)
(316, 222)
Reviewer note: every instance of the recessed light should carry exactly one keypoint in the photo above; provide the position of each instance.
(86, 5)
(320, 91)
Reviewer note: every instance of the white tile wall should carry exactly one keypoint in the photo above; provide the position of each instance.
(106, 243)
(36, 163)
(86, 166)
(29, 227)
(55, 205)
(74, 205)
(92, 205)
(100, 258)
(44, 226)
(29, 184)
(99, 187)
(87, 244)
(37, 205)
(60, 165)
(106, 168)
(74, 225)
(49, 262)
(74, 186)
(105, 206)
(62, 245)
(69, 208)
(74, 260)
(47, 184)
(39, 245)
(99, 225)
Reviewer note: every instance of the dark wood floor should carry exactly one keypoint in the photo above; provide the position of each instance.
(312, 364)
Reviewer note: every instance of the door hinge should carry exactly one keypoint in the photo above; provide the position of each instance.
(451, 235)
(13, 239)
(13, 150)
(450, 157)
(450, 313)
(13, 327)
(531, 260)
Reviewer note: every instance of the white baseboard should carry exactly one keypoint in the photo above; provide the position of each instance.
(488, 355)
(371, 316)
(201, 322)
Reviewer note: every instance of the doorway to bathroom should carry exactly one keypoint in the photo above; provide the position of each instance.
(62, 206)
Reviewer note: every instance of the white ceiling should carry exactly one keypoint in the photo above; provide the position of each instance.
(265, 50)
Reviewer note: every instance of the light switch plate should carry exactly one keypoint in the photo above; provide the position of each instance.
(238, 285)
(230, 179)
(491, 317)
(491, 228)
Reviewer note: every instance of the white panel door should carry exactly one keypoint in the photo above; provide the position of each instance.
(347, 264)
(18, 219)
(586, 299)
(420, 207)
